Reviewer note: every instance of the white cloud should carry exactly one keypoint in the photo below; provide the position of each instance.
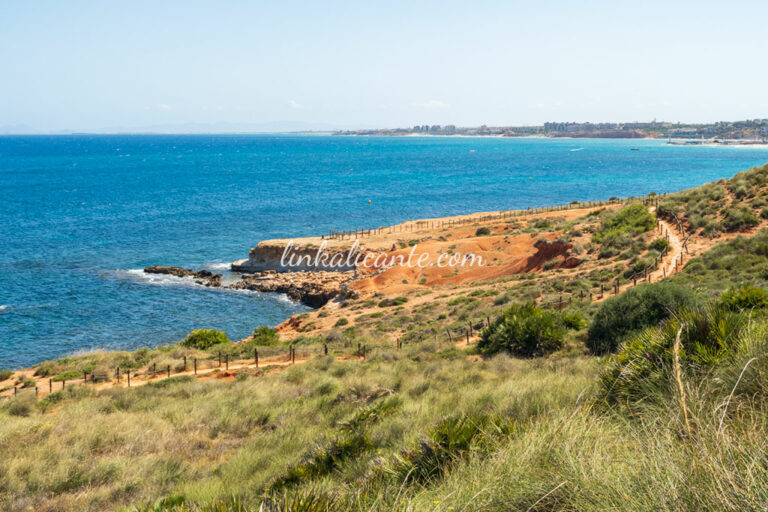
(294, 104)
(164, 107)
(432, 104)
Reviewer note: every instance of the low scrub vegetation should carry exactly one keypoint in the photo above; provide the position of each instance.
(629, 221)
(727, 205)
(634, 310)
(526, 330)
(204, 338)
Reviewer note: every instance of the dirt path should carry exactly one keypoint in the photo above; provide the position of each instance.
(669, 263)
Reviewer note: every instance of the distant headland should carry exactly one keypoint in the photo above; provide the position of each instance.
(723, 132)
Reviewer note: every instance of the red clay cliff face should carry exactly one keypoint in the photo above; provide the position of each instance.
(547, 250)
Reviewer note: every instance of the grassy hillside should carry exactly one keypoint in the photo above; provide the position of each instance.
(725, 206)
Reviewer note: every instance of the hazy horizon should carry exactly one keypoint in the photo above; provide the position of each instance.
(141, 67)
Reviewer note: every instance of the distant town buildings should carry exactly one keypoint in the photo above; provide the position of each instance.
(750, 130)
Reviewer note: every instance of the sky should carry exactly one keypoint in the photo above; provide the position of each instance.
(199, 66)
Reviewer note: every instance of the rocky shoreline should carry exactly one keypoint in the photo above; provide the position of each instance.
(313, 288)
(203, 277)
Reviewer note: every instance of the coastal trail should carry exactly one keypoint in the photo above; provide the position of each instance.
(266, 366)
(670, 262)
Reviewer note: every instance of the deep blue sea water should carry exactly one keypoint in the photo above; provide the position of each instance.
(79, 215)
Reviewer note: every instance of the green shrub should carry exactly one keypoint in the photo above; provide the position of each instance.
(634, 310)
(265, 336)
(482, 231)
(630, 220)
(525, 330)
(340, 322)
(764, 213)
(202, 339)
(745, 297)
(573, 321)
(19, 407)
(641, 372)
(659, 244)
(5, 375)
(614, 245)
(68, 375)
(739, 219)
(323, 460)
(397, 301)
(445, 443)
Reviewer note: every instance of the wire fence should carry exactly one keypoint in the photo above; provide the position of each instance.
(130, 377)
(411, 226)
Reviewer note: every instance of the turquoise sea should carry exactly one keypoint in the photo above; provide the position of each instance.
(81, 214)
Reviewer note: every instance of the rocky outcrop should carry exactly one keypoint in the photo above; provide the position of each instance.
(314, 289)
(203, 277)
(281, 257)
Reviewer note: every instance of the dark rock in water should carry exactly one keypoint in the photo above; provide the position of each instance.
(314, 289)
(204, 277)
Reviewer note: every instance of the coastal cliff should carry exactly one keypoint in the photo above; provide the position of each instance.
(284, 257)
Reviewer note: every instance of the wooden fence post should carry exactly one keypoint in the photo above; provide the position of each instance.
(85, 377)
(194, 362)
(168, 371)
(128, 375)
(227, 362)
(325, 349)
(256, 357)
(219, 359)
(50, 385)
